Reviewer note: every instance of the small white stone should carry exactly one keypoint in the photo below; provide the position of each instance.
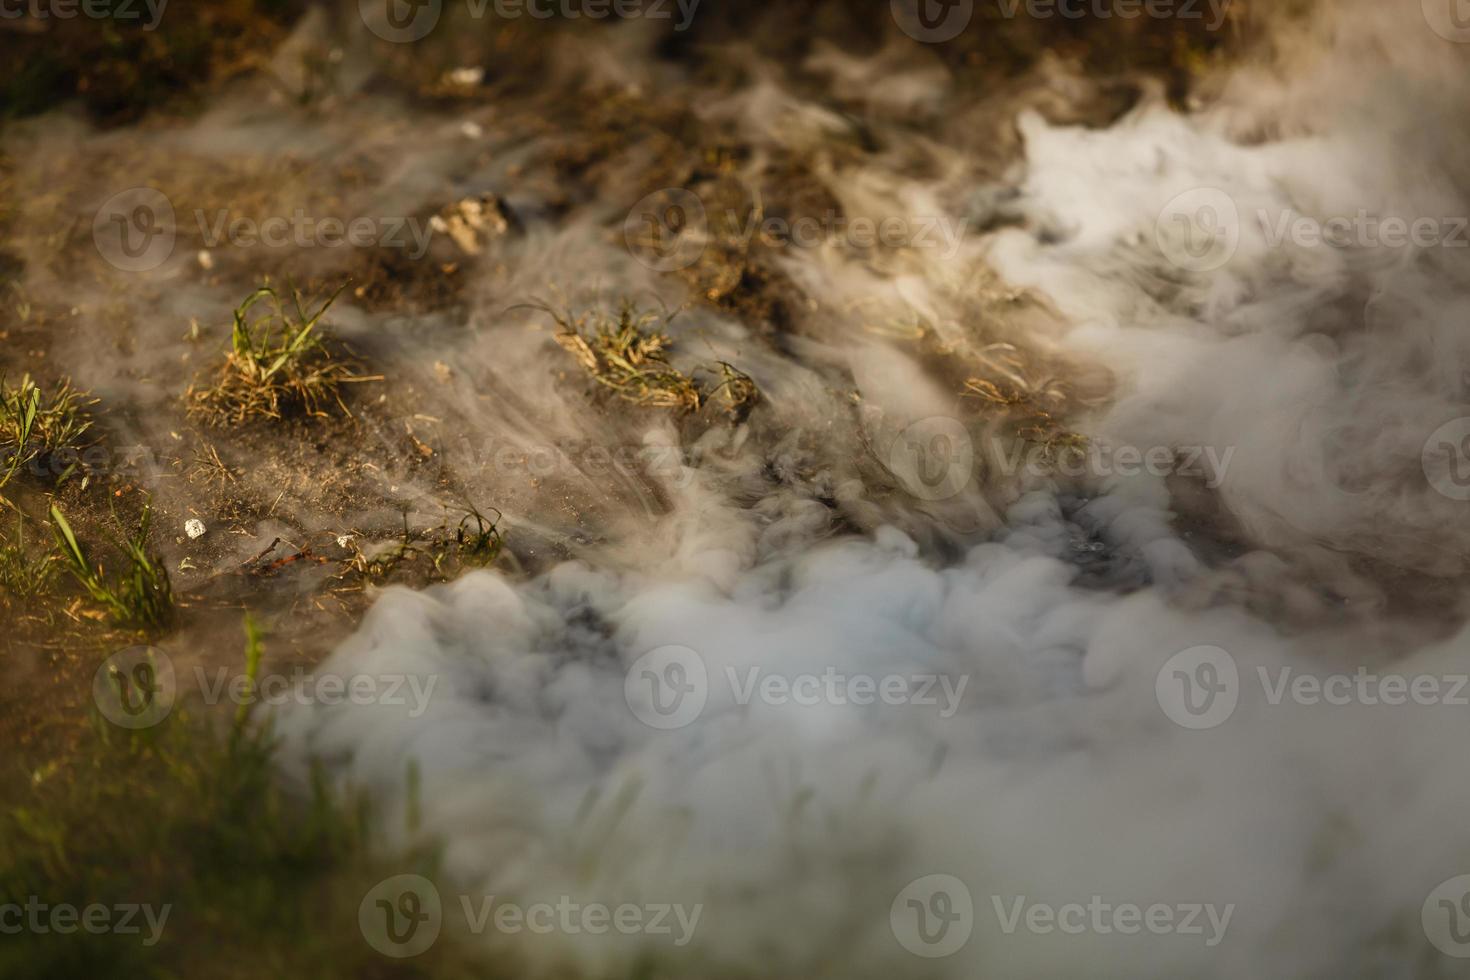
(346, 541)
(467, 76)
(194, 528)
(471, 129)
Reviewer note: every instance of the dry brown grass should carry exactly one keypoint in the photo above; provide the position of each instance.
(281, 363)
(628, 353)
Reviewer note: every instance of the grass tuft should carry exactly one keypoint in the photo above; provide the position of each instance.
(141, 596)
(475, 542)
(1035, 409)
(34, 426)
(21, 575)
(628, 353)
(280, 363)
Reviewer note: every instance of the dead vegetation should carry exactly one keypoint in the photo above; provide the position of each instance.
(474, 542)
(1036, 408)
(281, 363)
(473, 221)
(1032, 421)
(416, 556)
(628, 352)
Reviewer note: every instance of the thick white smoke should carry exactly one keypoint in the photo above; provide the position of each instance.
(1046, 614)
